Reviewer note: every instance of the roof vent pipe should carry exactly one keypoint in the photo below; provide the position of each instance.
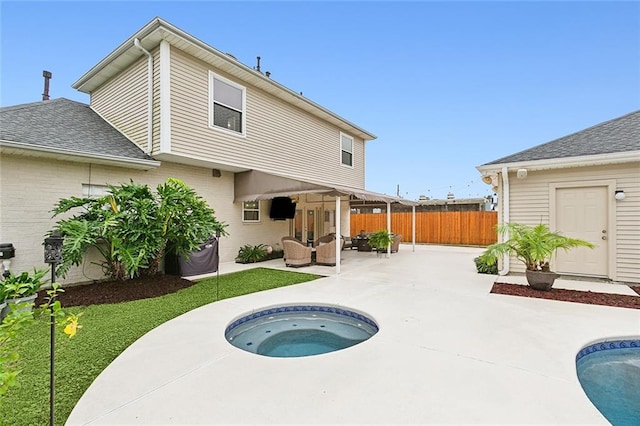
(47, 76)
(258, 66)
(136, 42)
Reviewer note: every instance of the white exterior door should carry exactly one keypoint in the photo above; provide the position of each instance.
(582, 212)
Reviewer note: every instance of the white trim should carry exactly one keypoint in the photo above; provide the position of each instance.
(165, 96)
(243, 112)
(353, 148)
(252, 210)
(505, 193)
(561, 163)
(610, 184)
(70, 155)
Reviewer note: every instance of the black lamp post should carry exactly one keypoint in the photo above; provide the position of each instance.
(52, 256)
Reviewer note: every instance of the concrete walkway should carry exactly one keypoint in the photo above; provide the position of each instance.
(447, 351)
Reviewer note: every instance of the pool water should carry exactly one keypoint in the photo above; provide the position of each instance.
(298, 331)
(609, 373)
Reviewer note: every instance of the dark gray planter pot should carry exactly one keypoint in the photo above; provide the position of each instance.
(539, 280)
(26, 299)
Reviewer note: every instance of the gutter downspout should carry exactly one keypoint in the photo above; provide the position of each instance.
(136, 42)
(505, 217)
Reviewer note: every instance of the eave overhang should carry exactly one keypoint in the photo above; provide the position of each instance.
(156, 30)
(563, 163)
(259, 185)
(17, 148)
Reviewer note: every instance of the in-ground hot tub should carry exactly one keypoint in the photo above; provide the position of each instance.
(609, 372)
(299, 330)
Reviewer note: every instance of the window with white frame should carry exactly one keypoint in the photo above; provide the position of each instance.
(251, 211)
(227, 104)
(94, 191)
(346, 150)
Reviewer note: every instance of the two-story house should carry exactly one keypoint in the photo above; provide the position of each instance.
(165, 104)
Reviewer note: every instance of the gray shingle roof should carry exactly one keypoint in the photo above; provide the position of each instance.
(621, 134)
(66, 125)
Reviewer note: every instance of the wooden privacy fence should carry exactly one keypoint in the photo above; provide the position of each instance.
(457, 228)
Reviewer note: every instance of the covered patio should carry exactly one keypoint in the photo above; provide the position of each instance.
(255, 185)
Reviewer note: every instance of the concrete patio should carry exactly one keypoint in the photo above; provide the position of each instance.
(447, 351)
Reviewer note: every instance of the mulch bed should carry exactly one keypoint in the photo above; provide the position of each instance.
(119, 291)
(588, 297)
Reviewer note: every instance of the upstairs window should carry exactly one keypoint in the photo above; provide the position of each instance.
(228, 102)
(346, 150)
(251, 211)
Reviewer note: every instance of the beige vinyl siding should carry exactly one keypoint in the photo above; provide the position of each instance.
(27, 198)
(123, 102)
(279, 137)
(530, 204)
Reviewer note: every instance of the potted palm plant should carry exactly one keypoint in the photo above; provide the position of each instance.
(381, 240)
(534, 246)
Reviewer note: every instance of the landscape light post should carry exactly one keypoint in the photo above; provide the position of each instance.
(52, 256)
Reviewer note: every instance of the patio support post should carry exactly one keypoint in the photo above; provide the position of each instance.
(338, 234)
(413, 227)
(388, 226)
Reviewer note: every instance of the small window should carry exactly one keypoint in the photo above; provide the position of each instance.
(251, 211)
(94, 191)
(227, 104)
(346, 150)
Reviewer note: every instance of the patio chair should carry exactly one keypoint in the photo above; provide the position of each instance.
(395, 245)
(295, 252)
(323, 240)
(326, 252)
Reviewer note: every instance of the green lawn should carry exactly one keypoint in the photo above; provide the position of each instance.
(107, 330)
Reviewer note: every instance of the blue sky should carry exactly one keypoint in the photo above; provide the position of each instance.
(446, 86)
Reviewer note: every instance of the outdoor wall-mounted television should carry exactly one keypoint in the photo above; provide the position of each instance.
(282, 208)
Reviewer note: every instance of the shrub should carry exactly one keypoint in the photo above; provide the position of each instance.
(25, 284)
(484, 268)
(251, 254)
(275, 254)
(132, 227)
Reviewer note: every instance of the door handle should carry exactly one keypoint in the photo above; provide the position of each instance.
(604, 237)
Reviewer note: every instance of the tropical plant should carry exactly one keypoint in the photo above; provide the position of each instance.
(381, 240)
(132, 228)
(532, 245)
(251, 254)
(23, 285)
(483, 268)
